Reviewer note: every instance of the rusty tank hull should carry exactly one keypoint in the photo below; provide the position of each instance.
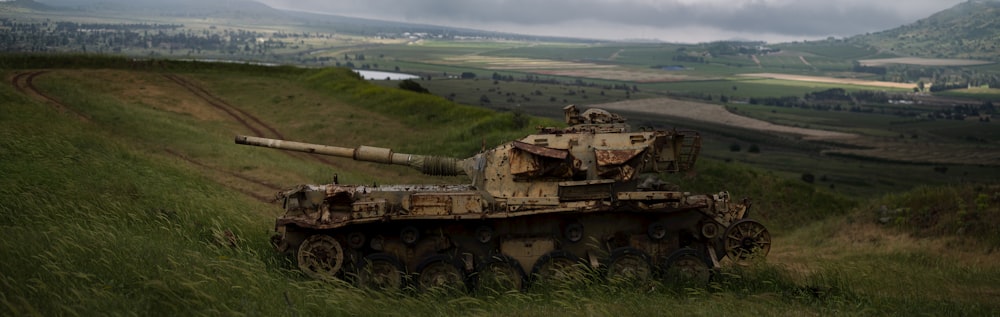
(560, 201)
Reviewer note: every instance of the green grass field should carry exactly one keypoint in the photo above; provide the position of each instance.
(99, 218)
(979, 93)
(827, 49)
(125, 195)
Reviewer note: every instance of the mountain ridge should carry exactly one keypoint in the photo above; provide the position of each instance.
(968, 30)
(28, 4)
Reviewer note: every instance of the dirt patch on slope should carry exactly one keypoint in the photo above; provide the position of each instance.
(922, 61)
(832, 80)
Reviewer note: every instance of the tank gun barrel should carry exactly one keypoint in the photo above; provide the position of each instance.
(430, 165)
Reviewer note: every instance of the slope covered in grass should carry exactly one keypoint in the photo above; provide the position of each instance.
(134, 209)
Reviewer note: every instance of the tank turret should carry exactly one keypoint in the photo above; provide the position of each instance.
(587, 193)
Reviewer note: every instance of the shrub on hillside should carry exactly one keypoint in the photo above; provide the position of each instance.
(966, 210)
(409, 84)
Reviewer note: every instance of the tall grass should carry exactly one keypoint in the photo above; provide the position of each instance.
(965, 210)
(782, 204)
(92, 226)
(464, 128)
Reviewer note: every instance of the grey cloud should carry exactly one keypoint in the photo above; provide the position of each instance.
(806, 18)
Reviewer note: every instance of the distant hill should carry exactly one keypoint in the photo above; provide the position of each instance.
(29, 4)
(968, 30)
(229, 9)
(158, 4)
(256, 13)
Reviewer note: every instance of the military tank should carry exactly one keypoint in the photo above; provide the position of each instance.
(539, 208)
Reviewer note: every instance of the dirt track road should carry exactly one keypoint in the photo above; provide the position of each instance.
(832, 80)
(716, 114)
(24, 83)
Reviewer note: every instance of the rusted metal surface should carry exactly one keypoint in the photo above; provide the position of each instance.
(587, 190)
(541, 150)
(615, 157)
(534, 160)
(564, 195)
(649, 195)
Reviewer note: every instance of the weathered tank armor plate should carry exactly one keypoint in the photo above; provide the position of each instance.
(538, 208)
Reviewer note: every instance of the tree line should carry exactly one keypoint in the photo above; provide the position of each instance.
(153, 38)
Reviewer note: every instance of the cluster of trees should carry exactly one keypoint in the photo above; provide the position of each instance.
(959, 82)
(409, 84)
(867, 101)
(497, 76)
(941, 78)
(840, 95)
(835, 94)
(134, 37)
(830, 99)
(960, 112)
(877, 70)
(529, 78)
(73, 26)
(689, 59)
(723, 48)
(738, 48)
(62, 36)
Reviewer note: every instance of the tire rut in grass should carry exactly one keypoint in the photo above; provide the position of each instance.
(25, 83)
(246, 119)
(242, 179)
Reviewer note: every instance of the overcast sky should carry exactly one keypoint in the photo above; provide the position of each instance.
(666, 20)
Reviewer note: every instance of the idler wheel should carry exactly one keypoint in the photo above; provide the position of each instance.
(499, 274)
(710, 230)
(381, 271)
(320, 256)
(747, 239)
(440, 272)
(629, 264)
(686, 267)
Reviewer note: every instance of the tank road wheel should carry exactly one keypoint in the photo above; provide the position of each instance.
(499, 274)
(687, 267)
(484, 234)
(557, 267)
(656, 231)
(747, 239)
(381, 271)
(574, 232)
(320, 256)
(409, 235)
(440, 271)
(356, 240)
(377, 243)
(629, 265)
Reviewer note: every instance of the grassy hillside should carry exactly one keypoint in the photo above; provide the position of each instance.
(122, 194)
